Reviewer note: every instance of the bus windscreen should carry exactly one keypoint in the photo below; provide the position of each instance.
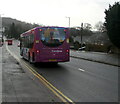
(52, 37)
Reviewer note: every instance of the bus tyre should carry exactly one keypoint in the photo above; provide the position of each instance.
(54, 63)
(31, 58)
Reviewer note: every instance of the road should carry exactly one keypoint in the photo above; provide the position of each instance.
(80, 80)
(0, 74)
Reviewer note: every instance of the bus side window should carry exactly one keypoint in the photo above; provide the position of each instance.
(31, 40)
(23, 42)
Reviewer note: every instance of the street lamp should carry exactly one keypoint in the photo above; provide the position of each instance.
(1, 28)
(1, 20)
(81, 34)
(69, 21)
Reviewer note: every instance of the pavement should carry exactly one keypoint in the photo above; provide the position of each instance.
(19, 86)
(0, 75)
(105, 58)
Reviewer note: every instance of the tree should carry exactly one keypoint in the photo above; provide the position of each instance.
(12, 31)
(13, 27)
(86, 30)
(71, 40)
(76, 45)
(87, 26)
(100, 26)
(74, 32)
(112, 23)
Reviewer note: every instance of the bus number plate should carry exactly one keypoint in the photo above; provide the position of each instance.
(52, 60)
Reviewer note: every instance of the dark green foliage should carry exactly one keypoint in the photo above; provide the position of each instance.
(13, 27)
(13, 31)
(76, 45)
(71, 40)
(76, 32)
(112, 23)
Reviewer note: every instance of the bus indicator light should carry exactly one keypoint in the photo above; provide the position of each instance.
(40, 29)
(67, 40)
(37, 41)
(32, 31)
(65, 30)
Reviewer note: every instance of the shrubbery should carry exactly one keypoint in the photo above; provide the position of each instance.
(112, 23)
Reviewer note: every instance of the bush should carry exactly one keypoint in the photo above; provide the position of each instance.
(102, 48)
(76, 45)
(112, 23)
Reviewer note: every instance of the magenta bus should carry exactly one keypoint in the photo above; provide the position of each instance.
(45, 44)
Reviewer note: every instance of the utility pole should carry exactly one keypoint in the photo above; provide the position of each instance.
(69, 21)
(81, 33)
(0, 24)
(1, 27)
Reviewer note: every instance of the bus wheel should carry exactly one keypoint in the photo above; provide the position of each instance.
(54, 63)
(33, 57)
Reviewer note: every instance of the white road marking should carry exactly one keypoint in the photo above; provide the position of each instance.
(81, 70)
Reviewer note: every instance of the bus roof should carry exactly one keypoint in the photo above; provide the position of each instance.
(25, 33)
(49, 27)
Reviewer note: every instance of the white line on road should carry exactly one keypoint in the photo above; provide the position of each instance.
(81, 70)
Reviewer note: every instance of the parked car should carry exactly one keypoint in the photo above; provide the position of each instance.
(10, 41)
(82, 48)
(1, 42)
(18, 44)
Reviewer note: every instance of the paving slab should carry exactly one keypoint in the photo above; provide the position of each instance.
(18, 86)
(0, 74)
(110, 59)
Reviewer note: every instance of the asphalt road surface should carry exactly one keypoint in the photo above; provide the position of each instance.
(80, 80)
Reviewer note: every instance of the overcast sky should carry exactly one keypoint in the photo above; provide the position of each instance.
(54, 12)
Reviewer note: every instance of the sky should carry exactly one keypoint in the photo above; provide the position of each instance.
(54, 12)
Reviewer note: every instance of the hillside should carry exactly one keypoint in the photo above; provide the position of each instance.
(6, 21)
(18, 26)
